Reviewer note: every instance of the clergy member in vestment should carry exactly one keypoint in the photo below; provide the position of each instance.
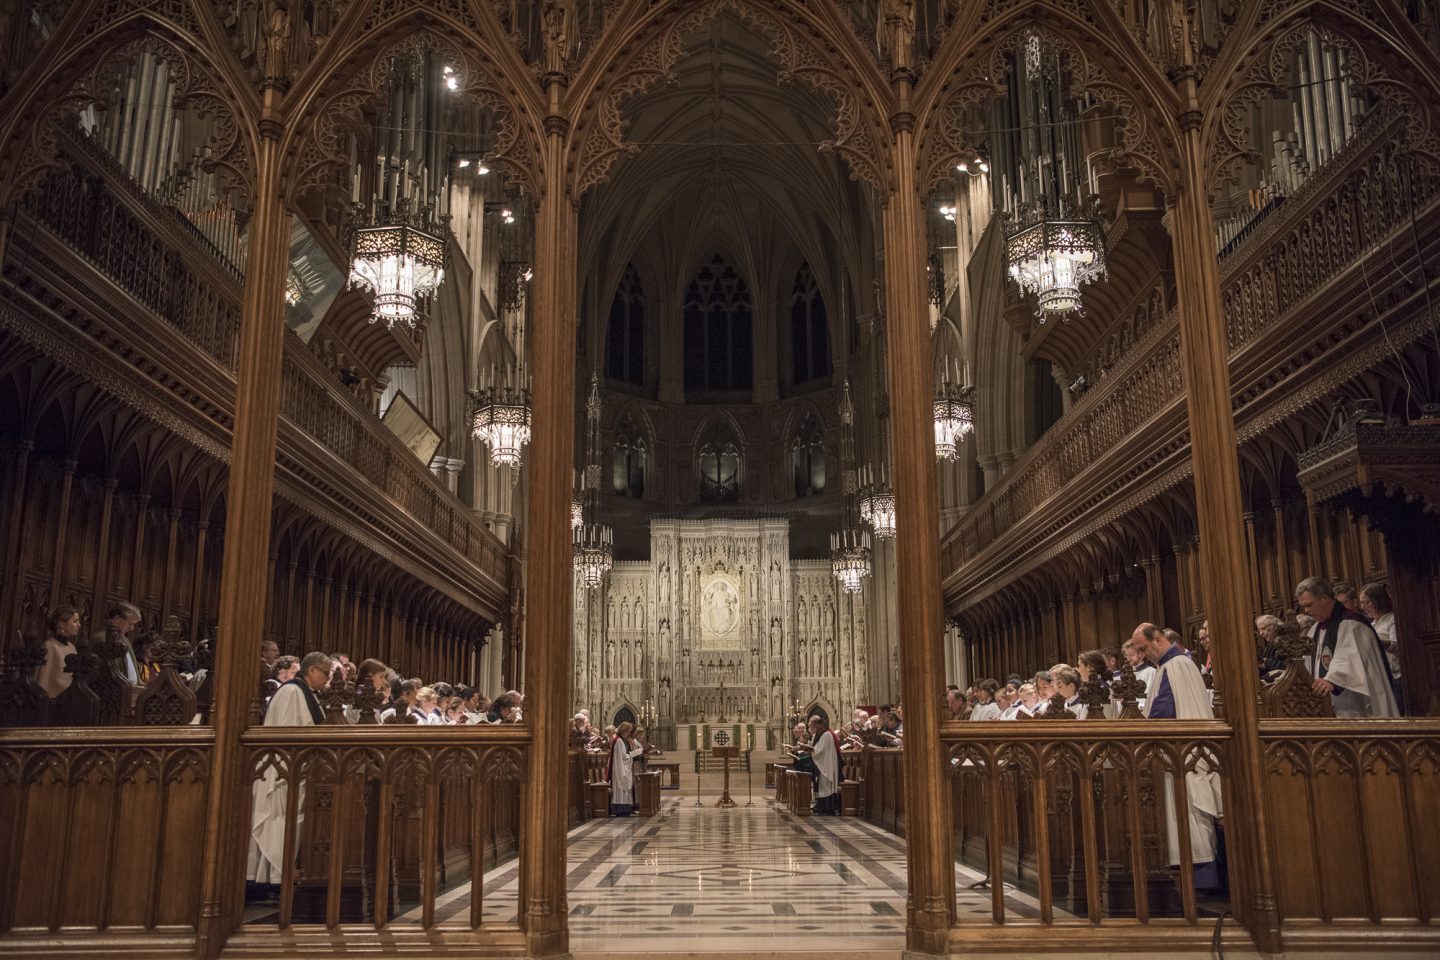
(294, 705)
(623, 752)
(1177, 692)
(1349, 661)
(825, 750)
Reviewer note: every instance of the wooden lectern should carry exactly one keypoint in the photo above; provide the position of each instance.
(726, 753)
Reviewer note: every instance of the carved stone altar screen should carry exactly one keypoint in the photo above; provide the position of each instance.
(719, 624)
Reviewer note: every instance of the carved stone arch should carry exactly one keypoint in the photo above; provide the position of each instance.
(353, 80)
(1260, 69)
(29, 143)
(639, 54)
(967, 72)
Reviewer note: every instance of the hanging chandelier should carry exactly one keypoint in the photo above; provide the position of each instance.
(1054, 240)
(954, 413)
(399, 221)
(850, 555)
(877, 502)
(594, 552)
(501, 417)
(398, 253)
(594, 543)
(1052, 255)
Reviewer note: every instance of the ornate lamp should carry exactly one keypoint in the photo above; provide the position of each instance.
(1054, 242)
(877, 502)
(397, 229)
(594, 543)
(397, 253)
(954, 413)
(594, 552)
(1054, 247)
(850, 555)
(501, 416)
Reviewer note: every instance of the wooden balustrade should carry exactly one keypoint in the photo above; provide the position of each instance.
(882, 787)
(177, 280)
(99, 835)
(380, 821)
(1358, 801)
(1133, 421)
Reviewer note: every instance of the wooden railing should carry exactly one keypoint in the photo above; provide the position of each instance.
(1074, 815)
(174, 277)
(101, 829)
(882, 794)
(1134, 419)
(379, 822)
(1354, 809)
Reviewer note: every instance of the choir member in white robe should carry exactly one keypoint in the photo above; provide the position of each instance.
(1177, 692)
(1349, 660)
(825, 750)
(1067, 684)
(294, 705)
(623, 752)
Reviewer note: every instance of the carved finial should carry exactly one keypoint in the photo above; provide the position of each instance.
(171, 648)
(1292, 695)
(1095, 696)
(335, 697)
(1057, 709)
(1128, 691)
(402, 713)
(368, 702)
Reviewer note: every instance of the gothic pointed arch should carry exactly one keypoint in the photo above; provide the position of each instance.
(637, 54)
(333, 101)
(59, 96)
(1104, 66)
(719, 459)
(625, 331)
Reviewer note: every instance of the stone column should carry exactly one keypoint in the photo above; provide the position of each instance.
(247, 547)
(1222, 569)
(548, 578)
(931, 870)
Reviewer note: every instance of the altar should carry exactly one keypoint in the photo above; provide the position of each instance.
(721, 625)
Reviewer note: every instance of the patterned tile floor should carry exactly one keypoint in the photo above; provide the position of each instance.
(742, 880)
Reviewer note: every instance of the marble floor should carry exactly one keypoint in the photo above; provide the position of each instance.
(744, 881)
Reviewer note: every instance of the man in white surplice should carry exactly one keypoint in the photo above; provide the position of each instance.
(1349, 661)
(1177, 692)
(293, 705)
(825, 749)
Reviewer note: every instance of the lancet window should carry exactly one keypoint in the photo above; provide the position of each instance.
(718, 332)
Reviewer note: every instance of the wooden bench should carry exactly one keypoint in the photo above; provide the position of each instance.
(797, 792)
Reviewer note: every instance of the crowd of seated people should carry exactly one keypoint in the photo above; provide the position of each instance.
(1352, 658)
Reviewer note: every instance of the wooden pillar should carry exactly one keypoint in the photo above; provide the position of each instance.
(326, 642)
(62, 534)
(15, 583)
(931, 870)
(137, 552)
(287, 618)
(197, 580)
(248, 505)
(548, 578)
(102, 552)
(172, 542)
(307, 613)
(1218, 504)
(1285, 581)
(1252, 551)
